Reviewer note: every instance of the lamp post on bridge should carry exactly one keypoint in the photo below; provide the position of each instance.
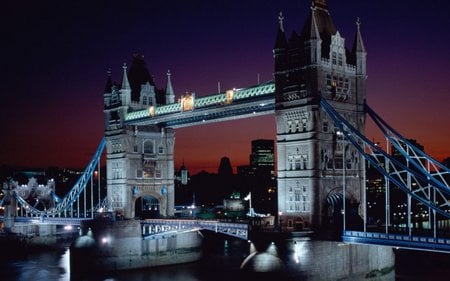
(341, 136)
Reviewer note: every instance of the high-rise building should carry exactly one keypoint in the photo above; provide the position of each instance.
(263, 155)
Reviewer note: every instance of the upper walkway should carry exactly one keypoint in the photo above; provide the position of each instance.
(229, 105)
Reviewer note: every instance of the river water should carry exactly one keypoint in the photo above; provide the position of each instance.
(222, 260)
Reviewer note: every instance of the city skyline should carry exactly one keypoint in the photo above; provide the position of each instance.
(58, 55)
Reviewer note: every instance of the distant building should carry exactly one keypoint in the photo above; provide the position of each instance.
(263, 154)
(258, 177)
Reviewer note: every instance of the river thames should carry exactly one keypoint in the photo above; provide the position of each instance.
(222, 261)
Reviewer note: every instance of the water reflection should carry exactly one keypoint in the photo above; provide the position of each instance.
(222, 261)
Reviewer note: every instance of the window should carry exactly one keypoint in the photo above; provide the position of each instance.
(297, 195)
(160, 149)
(334, 57)
(340, 59)
(135, 148)
(148, 147)
(325, 127)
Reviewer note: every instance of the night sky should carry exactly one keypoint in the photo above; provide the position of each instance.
(55, 55)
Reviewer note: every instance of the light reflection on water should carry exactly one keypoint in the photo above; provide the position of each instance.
(222, 261)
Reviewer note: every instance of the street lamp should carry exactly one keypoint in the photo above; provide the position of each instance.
(280, 213)
(341, 137)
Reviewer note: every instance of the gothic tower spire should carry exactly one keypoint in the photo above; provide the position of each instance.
(281, 42)
(314, 33)
(170, 95)
(360, 57)
(358, 44)
(313, 42)
(126, 88)
(125, 82)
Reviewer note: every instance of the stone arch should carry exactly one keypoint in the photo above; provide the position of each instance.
(334, 205)
(147, 207)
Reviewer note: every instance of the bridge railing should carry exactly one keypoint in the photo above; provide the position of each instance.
(50, 220)
(152, 227)
(397, 240)
(416, 184)
(64, 206)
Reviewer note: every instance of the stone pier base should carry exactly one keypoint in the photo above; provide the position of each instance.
(120, 245)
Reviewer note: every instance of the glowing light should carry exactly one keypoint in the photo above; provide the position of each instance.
(106, 240)
(229, 96)
(187, 102)
(68, 227)
(151, 111)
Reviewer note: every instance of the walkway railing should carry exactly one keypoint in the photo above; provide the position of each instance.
(151, 228)
(397, 240)
(50, 220)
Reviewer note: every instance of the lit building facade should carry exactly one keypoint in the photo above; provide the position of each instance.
(139, 158)
(311, 153)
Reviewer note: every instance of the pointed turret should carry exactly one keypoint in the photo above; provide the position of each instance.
(280, 54)
(360, 56)
(358, 44)
(314, 32)
(359, 51)
(319, 18)
(125, 82)
(170, 95)
(313, 43)
(125, 91)
(281, 42)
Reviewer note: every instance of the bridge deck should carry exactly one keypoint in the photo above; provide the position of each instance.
(398, 240)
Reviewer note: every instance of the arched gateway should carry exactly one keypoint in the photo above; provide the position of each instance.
(313, 156)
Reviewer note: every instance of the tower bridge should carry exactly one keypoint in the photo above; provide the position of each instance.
(318, 98)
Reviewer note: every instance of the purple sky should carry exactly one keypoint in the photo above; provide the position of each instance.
(57, 54)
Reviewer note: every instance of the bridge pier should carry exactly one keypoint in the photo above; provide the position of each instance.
(117, 245)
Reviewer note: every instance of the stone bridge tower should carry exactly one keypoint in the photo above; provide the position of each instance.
(140, 159)
(314, 161)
